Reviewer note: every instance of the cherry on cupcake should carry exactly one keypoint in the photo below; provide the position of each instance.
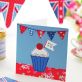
(39, 46)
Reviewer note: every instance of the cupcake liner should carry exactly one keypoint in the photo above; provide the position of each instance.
(39, 63)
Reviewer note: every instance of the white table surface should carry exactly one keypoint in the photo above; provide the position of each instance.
(37, 12)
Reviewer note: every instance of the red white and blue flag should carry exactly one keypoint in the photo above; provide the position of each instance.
(10, 8)
(60, 7)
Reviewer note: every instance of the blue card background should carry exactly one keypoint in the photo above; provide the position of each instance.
(27, 43)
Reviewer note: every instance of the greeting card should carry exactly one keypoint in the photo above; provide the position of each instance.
(41, 51)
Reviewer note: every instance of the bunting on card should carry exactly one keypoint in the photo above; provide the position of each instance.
(51, 34)
(62, 34)
(22, 28)
(10, 8)
(40, 33)
(60, 8)
(31, 31)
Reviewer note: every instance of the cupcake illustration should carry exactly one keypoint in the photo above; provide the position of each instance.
(40, 58)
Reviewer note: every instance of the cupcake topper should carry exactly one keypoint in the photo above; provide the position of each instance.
(50, 45)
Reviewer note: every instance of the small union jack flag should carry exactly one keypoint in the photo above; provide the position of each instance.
(10, 8)
(60, 8)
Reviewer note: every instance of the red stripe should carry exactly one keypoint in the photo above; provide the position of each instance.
(18, 1)
(14, 1)
(61, 12)
(3, 8)
(54, 7)
(16, 10)
(61, 4)
(10, 14)
(5, 0)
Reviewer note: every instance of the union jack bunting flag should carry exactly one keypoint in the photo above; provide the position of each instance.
(60, 7)
(10, 8)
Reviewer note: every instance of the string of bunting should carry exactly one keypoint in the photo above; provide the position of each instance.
(10, 9)
(60, 8)
(41, 33)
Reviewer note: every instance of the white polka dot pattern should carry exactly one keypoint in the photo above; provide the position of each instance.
(62, 34)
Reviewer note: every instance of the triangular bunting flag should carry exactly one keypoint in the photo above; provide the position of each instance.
(62, 15)
(31, 31)
(62, 34)
(22, 28)
(60, 8)
(51, 34)
(40, 33)
(10, 8)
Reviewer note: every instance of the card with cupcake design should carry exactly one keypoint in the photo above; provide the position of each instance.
(42, 51)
